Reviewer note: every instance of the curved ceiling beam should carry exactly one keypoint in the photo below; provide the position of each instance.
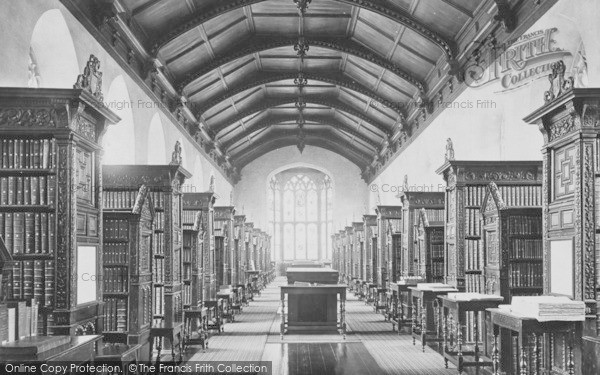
(333, 79)
(277, 120)
(267, 104)
(247, 155)
(402, 18)
(343, 45)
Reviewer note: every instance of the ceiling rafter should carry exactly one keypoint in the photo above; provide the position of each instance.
(326, 102)
(334, 79)
(323, 120)
(343, 45)
(396, 15)
(283, 139)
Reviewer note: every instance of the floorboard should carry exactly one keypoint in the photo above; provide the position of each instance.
(370, 346)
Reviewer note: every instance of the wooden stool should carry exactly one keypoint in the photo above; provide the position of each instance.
(168, 332)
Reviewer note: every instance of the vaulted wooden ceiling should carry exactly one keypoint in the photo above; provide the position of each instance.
(352, 76)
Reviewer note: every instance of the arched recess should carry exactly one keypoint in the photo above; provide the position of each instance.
(54, 51)
(156, 142)
(119, 141)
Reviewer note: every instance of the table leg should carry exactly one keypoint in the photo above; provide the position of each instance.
(343, 315)
(476, 338)
(423, 327)
(571, 361)
(414, 320)
(158, 348)
(445, 334)
(282, 328)
(523, 363)
(495, 353)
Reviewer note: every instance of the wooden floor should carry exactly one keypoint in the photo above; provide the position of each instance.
(370, 346)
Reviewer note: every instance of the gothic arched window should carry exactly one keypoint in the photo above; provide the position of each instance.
(300, 214)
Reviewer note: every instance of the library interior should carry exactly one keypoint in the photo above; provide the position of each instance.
(297, 187)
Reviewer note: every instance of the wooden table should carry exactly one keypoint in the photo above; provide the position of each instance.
(172, 332)
(426, 313)
(312, 275)
(380, 300)
(215, 315)
(79, 349)
(402, 311)
(122, 354)
(195, 318)
(227, 295)
(371, 293)
(458, 349)
(313, 308)
(530, 359)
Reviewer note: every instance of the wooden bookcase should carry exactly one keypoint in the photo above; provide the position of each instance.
(429, 253)
(412, 203)
(370, 261)
(359, 249)
(203, 204)
(51, 203)
(192, 273)
(389, 222)
(349, 250)
(248, 249)
(239, 266)
(465, 189)
(571, 203)
(512, 239)
(164, 185)
(127, 265)
(224, 227)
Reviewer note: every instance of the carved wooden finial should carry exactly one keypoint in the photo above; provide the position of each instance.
(211, 184)
(449, 150)
(559, 85)
(176, 158)
(405, 183)
(91, 79)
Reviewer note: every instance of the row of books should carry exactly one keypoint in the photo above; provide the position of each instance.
(28, 232)
(158, 243)
(115, 314)
(115, 253)
(158, 297)
(474, 195)
(18, 320)
(437, 250)
(472, 222)
(115, 279)
(525, 225)
(526, 248)
(525, 275)
(28, 190)
(120, 199)
(473, 255)
(437, 235)
(116, 229)
(158, 271)
(187, 295)
(434, 214)
(187, 272)
(32, 279)
(521, 196)
(158, 199)
(187, 255)
(189, 217)
(28, 153)
(474, 283)
(437, 269)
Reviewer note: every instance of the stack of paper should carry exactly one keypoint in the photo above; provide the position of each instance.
(414, 280)
(473, 297)
(549, 308)
(437, 287)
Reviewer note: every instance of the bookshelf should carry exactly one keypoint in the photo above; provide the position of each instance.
(370, 262)
(349, 251)
(359, 249)
(50, 195)
(412, 204)
(127, 259)
(389, 221)
(429, 254)
(466, 182)
(224, 227)
(164, 185)
(192, 275)
(203, 204)
(513, 246)
(238, 254)
(568, 122)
